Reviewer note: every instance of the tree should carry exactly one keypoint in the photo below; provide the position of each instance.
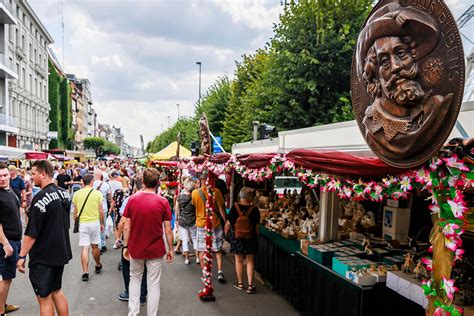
(96, 144)
(186, 126)
(240, 114)
(109, 148)
(215, 103)
(53, 93)
(307, 80)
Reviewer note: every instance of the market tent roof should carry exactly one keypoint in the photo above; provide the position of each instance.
(170, 151)
(331, 162)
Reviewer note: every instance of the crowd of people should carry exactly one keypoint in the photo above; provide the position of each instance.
(148, 221)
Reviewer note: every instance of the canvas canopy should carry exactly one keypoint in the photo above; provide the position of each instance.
(170, 151)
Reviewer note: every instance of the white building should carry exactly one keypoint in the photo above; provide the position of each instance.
(8, 70)
(28, 42)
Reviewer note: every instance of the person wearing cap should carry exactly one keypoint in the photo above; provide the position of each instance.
(402, 114)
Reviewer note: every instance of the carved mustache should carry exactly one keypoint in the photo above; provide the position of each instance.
(401, 76)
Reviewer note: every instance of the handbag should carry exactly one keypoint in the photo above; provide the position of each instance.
(76, 223)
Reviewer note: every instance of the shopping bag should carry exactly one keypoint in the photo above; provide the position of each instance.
(109, 226)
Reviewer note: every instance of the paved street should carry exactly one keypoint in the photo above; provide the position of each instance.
(178, 291)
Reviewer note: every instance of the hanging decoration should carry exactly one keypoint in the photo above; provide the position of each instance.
(445, 177)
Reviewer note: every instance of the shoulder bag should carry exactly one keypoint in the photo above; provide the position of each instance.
(76, 223)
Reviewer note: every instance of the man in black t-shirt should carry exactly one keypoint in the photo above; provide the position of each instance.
(63, 179)
(47, 240)
(10, 235)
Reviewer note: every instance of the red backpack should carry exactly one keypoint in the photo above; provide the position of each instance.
(243, 226)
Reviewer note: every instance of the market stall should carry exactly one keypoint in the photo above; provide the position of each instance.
(296, 263)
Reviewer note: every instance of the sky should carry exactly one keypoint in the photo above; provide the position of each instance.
(140, 55)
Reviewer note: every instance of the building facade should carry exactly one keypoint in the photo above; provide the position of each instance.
(28, 43)
(8, 71)
(84, 117)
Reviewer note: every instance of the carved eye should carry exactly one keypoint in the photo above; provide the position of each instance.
(384, 61)
(402, 53)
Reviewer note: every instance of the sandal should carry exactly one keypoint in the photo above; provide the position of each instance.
(251, 289)
(239, 286)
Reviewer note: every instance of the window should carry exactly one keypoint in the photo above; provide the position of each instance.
(17, 37)
(31, 52)
(23, 42)
(31, 83)
(35, 56)
(12, 34)
(23, 74)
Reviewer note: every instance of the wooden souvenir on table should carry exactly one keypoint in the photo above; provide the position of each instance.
(409, 264)
(407, 80)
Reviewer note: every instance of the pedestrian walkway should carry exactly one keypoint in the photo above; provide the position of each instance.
(179, 285)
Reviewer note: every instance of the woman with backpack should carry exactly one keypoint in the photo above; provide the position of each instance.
(243, 222)
(186, 219)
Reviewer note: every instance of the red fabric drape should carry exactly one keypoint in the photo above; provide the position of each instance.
(36, 156)
(340, 163)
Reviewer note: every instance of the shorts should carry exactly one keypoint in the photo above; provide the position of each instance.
(89, 234)
(217, 239)
(8, 265)
(45, 279)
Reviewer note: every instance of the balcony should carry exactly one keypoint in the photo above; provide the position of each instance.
(7, 68)
(39, 70)
(20, 54)
(8, 124)
(6, 13)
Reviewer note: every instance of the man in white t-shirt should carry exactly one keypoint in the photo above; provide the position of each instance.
(114, 182)
(104, 188)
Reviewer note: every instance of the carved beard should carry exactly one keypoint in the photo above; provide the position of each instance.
(402, 89)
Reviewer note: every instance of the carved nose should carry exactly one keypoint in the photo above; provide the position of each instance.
(396, 64)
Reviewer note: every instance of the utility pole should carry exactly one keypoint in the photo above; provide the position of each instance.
(178, 109)
(168, 121)
(199, 64)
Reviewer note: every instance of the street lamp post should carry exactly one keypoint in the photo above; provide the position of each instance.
(178, 109)
(199, 64)
(168, 121)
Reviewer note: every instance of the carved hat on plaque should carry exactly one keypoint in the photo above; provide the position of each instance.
(407, 79)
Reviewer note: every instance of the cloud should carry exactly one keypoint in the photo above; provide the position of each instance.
(140, 55)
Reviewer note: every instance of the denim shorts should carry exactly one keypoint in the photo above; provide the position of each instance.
(8, 265)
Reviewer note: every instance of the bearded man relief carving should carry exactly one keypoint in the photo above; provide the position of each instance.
(403, 115)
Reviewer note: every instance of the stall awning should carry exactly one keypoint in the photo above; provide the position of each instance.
(170, 151)
(340, 163)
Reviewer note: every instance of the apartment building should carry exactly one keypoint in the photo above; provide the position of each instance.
(8, 71)
(27, 43)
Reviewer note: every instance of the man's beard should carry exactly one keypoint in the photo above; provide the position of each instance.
(402, 89)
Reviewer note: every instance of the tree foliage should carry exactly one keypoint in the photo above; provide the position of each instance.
(300, 78)
(188, 128)
(60, 114)
(101, 146)
(308, 78)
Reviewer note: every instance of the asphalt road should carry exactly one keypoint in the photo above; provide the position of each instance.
(179, 285)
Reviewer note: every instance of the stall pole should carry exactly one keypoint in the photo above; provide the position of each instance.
(329, 214)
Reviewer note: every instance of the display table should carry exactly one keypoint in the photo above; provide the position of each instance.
(317, 290)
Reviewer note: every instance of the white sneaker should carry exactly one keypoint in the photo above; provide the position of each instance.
(186, 261)
(197, 261)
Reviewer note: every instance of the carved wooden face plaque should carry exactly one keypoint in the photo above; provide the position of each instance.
(407, 79)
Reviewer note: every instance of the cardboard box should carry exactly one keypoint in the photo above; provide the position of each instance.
(406, 286)
(396, 221)
(321, 255)
(379, 277)
(366, 279)
(341, 265)
(304, 243)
